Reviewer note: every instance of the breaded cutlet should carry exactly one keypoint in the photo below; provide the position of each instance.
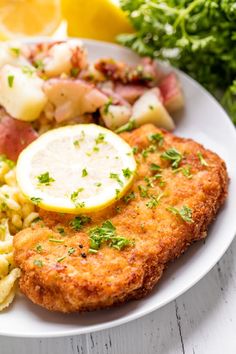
(178, 189)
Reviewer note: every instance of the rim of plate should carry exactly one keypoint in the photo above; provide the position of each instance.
(139, 312)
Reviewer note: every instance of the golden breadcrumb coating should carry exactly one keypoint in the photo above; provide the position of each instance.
(63, 276)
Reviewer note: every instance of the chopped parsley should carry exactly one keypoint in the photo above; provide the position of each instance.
(84, 172)
(156, 138)
(143, 190)
(61, 231)
(39, 248)
(71, 251)
(79, 221)
(28, 70)
(45, 179)
(201, 159)
(127, 172)
(155, 167)
(98, 184)
(38, 64)
(74, 72)
(107, 106)
(117, 178)
(186, 171)
(61, 259)
(106, 234)
(128, 197)
(74, 195)
(100, 138)
(135, 150)
(117, 191)
(55, 240)
(185, 213)
(154, 201)
(174, 156)
(36, 200)
(76, 143)
(126, 127)
(15, 51)
(10, 80)
(38, 263)
(96, 149)
(145, 152)
(10, 163)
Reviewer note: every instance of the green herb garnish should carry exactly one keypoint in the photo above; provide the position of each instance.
(197, 36)
(39, 248)
(71, 251)
(156, 138)
(38, 64)
(117, 178)
(149, 150)
(10, 163)
(127, 172)
(155, 167)
(84, 172)
(100, 139)
(28, 70)
(45, 179)
(79, 221)
(59, 260)
(202, 160)
(15, 51)
(126, 127)
(154, 201)
(36, 200)
(128, 197)
(74, 196)
(74, 72)
(107, 106)
(185, 213)
(55, 240)
(174, 156)
(143, 190)
(106, 234)
(10, 80)
(61, 231)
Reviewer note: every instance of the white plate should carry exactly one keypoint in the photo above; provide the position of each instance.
(206, 122)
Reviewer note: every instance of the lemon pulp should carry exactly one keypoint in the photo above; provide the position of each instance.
(75, 169)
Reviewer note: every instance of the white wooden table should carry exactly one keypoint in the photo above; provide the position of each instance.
(202, 321)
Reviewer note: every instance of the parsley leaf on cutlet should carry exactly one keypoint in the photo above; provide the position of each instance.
(185, 213)
(174, 156)
(79, 221)
(106, 234)
(157, 138)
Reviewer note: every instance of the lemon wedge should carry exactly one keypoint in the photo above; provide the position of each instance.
(28, 18)
(76, 169)
(96, 19)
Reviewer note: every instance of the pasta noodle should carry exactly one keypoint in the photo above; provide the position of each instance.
(16, 212)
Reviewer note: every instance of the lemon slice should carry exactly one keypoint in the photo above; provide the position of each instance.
(75, 169)
(28, 18)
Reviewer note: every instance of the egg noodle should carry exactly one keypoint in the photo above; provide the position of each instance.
(16, 212)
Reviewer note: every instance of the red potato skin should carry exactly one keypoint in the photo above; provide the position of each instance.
(15, 135)
(85, 281)
(171, 92)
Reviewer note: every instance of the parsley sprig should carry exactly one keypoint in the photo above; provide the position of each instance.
(172, 155)
(185, 213)
(197, 36)
(106, 234)
(45, 179)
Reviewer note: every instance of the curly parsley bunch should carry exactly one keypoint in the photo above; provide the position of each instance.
(197, 36)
